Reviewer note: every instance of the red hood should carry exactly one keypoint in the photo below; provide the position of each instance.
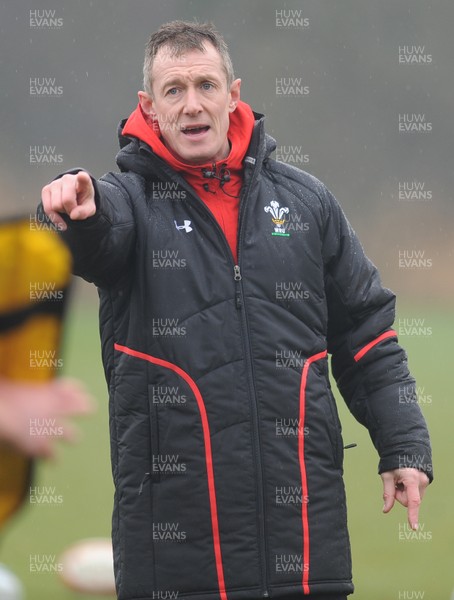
(222, 200)
(239, 134)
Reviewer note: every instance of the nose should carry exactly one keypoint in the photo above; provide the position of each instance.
(192, 104)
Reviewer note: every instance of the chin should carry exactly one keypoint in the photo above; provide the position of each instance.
(196, 158)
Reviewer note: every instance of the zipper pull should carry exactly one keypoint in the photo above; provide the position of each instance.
(237, 277)
(145, 477)
(350, 446)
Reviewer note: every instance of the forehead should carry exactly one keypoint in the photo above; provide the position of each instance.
(188, 64)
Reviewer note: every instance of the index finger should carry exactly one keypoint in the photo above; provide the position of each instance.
(413, 502)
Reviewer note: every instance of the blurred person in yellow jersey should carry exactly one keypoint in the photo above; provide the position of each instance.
(34, 404)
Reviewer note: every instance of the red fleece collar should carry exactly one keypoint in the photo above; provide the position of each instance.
(239, 134)
(221, 199)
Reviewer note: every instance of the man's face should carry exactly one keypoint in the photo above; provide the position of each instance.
(191, 102)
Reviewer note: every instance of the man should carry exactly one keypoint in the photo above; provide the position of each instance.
(219, 394)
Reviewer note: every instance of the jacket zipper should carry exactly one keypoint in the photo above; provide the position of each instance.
(261, 504)
(256, 432)
(239, 302)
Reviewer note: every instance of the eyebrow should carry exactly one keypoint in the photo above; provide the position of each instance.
(175, 80)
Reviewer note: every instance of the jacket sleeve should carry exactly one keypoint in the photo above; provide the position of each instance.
(102, 245)
(368, 364)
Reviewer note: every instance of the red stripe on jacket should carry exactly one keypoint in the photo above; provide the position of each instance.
(208, 453)
(304, 488)
(365, 349)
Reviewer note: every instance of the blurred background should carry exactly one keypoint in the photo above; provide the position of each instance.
(355, 93)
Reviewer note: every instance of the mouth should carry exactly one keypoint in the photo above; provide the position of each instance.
(194, 130)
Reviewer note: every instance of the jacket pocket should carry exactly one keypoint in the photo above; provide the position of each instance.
(154, 436)
(113, 429)
(335, 432)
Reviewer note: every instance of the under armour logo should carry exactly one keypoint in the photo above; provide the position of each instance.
(187, 226)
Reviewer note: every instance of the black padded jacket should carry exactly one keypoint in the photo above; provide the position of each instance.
(225, 441)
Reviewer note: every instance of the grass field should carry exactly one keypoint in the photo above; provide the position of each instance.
(385, 567)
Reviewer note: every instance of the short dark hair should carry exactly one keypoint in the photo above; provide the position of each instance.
(180, 37)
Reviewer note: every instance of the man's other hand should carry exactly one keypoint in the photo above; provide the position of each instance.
(407, 486)
(73, 195)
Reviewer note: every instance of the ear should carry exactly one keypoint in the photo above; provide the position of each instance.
(234, 93)
(146, 104)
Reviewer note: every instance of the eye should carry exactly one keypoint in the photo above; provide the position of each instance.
(172, 91)
(206, 85)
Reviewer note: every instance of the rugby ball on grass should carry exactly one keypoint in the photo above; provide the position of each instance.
(87, 566)
(10, 586)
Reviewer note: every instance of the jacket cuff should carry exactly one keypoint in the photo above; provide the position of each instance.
(415, 458)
